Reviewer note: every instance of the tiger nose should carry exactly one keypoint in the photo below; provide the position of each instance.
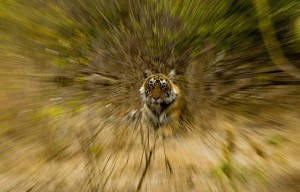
(155, 97)
(156, 91)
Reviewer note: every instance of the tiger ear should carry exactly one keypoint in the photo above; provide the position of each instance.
(147, 72)
(172, 74)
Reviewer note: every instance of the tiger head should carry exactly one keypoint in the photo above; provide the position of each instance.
(159, 89)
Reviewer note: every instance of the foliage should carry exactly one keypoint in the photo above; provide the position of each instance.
(70, 30)
(72, 69)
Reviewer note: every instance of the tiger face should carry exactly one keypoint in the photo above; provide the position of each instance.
(158, 91)
(163, 101)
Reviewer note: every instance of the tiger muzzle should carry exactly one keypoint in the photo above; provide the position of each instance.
(156, 92)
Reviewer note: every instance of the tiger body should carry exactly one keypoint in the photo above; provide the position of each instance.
(163, 102)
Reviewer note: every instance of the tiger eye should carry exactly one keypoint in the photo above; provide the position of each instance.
(151, 83)
(163, 85)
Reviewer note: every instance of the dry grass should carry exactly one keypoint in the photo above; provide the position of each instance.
(109, 155)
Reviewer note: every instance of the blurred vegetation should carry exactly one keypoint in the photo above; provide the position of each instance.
(71, 39)
(61, 59)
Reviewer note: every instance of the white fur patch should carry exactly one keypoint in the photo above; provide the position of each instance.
(142, 93)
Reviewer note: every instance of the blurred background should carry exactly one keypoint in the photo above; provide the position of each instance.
(71, 70)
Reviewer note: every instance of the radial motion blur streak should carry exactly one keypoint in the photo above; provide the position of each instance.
(71, 116)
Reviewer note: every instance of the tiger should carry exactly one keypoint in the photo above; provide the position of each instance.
(163, 102)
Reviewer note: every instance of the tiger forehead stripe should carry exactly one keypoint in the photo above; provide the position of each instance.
(157, 79)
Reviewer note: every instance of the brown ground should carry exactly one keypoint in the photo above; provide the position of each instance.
(265, 158)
